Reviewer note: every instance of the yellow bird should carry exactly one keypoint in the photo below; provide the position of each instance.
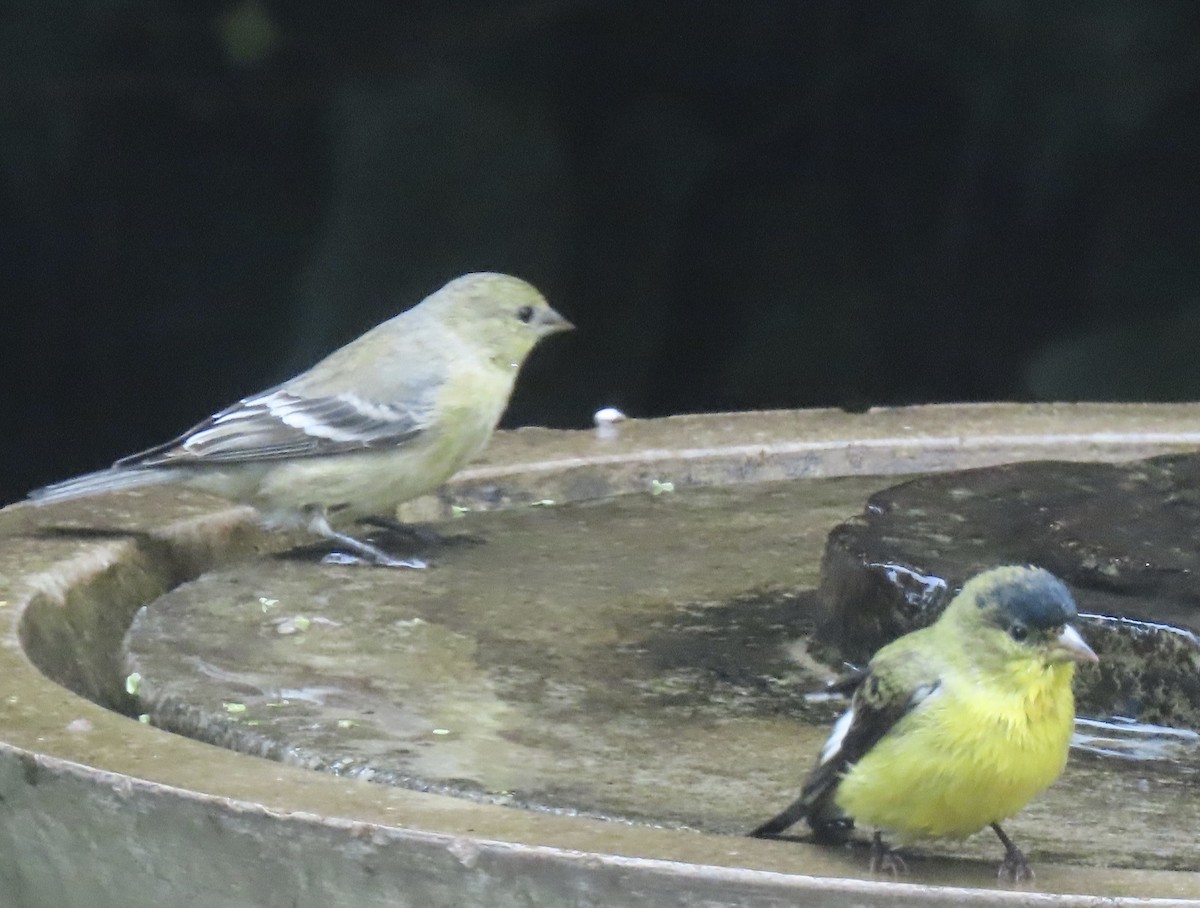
(955, 726)
(390, 416)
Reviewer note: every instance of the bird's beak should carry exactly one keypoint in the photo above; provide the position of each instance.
(550, 322)
(1073, 646)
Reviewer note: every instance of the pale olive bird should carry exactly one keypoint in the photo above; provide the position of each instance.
(390, 416)
(955, 726)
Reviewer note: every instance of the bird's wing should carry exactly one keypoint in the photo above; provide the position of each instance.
(880, 700)
(875, 709)
(280, 423)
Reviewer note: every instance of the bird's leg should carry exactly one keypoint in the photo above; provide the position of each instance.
(319, 524)
(883, 859)
(1014, 868)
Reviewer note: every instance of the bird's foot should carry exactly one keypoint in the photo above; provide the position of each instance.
(884, 860)
(358, 551)
(1014, 868)
(381, 560)
(362, 552)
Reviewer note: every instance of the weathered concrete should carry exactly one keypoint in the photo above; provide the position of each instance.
(528, 669)
(99, 810)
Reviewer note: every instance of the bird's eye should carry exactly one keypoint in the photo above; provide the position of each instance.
(1018, 632)
(525, 314)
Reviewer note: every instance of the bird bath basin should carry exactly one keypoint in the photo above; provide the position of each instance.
(586, 699)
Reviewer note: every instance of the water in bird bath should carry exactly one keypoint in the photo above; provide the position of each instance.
(643, 658)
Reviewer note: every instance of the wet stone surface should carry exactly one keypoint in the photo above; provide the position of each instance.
(546, 664)
(1126, 538)
(642, 659)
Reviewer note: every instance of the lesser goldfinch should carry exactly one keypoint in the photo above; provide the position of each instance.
(955, 726)
(388, 417)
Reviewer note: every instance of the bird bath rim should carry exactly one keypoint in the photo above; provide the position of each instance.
(74, 775)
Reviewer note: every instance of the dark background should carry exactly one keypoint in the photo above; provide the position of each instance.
(788, 204)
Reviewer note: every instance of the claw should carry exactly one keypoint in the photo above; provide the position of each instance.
(363, 552)
(381, 560)
(1014, 868)
(884, 860)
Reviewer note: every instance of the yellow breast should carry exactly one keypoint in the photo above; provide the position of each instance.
(969, 755)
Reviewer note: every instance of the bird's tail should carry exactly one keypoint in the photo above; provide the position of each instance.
(110, 480)
(789, 816)
(830, 825)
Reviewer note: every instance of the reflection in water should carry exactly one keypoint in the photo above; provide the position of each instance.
(1129, 739)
